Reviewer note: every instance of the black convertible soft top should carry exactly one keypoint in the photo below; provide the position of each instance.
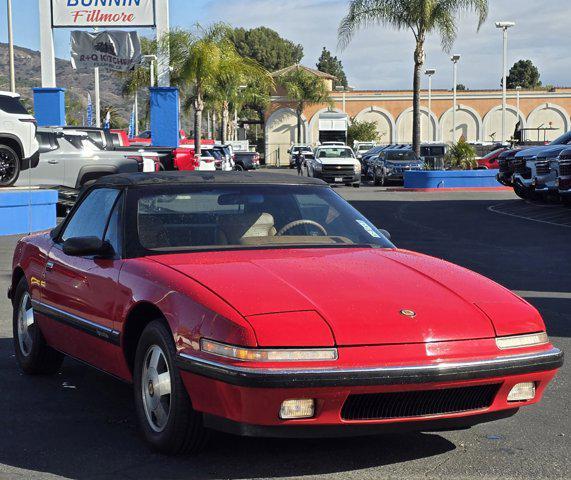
(194, 178)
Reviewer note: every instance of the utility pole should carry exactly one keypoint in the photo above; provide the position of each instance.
(429, 73)
(11, 48)
(504, 26)
(455, 59)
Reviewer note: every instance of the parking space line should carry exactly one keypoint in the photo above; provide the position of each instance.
(494, 209)
(535, 294)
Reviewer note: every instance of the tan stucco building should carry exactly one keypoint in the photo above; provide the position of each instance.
(478, 116)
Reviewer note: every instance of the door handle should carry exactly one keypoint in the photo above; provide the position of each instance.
(49, 266)
(53, 162)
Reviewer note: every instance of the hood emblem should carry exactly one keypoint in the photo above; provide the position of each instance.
(408, 313)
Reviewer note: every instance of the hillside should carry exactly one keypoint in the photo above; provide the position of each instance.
(27, 65)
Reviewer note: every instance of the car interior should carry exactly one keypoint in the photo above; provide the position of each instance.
(236, 219)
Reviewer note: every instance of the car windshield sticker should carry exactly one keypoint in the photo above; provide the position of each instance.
(368, 229)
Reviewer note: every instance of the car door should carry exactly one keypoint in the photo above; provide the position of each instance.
(80, 291)
(51, 167)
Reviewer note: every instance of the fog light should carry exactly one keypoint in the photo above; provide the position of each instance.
(299, 408)
(522, 392)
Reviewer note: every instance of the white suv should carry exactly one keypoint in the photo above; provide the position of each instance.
(335, 164)
(18, 144)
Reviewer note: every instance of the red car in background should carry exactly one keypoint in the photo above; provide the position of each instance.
(490, 161)
(262, 306)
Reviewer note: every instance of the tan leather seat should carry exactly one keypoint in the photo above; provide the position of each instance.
(233, 228)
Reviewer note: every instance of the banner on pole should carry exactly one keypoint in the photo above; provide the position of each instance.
(103, 13)
(89, 110)
(113, 50)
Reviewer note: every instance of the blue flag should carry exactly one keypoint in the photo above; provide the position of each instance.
(89, 111)
(107, 123)
(132, 123)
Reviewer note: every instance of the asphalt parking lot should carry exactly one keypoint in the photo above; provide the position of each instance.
(80, 424)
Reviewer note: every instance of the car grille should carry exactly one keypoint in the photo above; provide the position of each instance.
(564, 169)
(378, 406)
(542, 168)
(504, 165)
(338, 169)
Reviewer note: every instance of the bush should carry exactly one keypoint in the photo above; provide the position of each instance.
(462, 156)
(361, 132)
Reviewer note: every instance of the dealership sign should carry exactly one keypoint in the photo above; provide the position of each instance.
(103, 13)
(114, 50)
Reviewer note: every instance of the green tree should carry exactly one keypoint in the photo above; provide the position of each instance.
(304, 89)
(462, 155)
(461, 87)
(266, 47)
(362, 132)
(329, 64)
(196, 56)
(523, 74)
(422, 17)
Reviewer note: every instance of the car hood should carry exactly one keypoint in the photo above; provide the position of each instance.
(534, 151)
(337, 161)
(365, 295)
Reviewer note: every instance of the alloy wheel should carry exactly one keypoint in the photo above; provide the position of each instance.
(25, 325)
(8, 167)
(156, 388)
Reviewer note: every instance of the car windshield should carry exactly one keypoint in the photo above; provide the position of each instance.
(335, 153)
(301, 149)
(179, 218)
(401, 156)
(432, 151)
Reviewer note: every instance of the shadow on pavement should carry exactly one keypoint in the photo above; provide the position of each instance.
(81, 424)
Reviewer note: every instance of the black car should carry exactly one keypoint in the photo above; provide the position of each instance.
(247, 160)
(368, 156)
(391, 164)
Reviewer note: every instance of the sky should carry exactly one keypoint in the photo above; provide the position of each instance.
(378, 57)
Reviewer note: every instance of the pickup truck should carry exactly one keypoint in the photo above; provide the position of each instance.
(334, 164)
(71, 159)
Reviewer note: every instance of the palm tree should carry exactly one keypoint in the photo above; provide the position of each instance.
(239, 81)
(304, 89)
(423, 17)
(195, 58)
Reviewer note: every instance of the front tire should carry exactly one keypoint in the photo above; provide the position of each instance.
(33, 354)
(9, 166)
(521, 192)
(167, 420)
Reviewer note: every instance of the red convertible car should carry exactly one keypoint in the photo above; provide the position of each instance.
(262, 306)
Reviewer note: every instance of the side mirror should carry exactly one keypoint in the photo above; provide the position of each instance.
(289, 150)
(83, 246)
(385, 233)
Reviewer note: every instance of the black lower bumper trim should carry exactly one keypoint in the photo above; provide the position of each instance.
(352, 430)
(333, 377)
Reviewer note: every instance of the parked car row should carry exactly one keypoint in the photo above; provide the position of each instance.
(538, 172)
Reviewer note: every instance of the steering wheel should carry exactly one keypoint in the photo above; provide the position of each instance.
(296, 223)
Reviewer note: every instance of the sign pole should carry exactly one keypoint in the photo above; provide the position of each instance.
(163, 63)
(48, 59)
(11, 48)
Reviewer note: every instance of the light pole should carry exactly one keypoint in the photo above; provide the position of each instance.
(429, 72)
(455, 59)
(504, 26)
(517, 93)
(11, 47)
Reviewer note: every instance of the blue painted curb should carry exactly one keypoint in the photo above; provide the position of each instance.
(451, 179)
(23, 211)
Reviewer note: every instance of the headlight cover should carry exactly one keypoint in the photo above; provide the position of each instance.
(268, 355)
(520, 341)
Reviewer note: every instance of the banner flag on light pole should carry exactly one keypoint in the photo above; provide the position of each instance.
(107, 123)
(89, 110)
(132, 123)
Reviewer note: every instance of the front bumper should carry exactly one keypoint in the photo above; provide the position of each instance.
(505, 178)
(398, 375)
(246, 400)
(339, 178)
